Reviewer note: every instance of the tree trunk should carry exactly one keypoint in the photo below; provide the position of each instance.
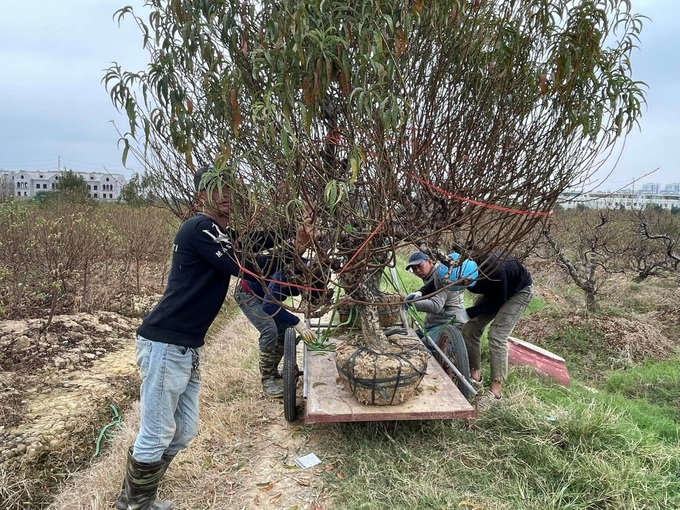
(592, 304)
(369, 321)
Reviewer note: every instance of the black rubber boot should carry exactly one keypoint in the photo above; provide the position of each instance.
(141, 485)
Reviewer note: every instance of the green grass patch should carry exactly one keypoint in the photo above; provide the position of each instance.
(544, 447)
(584, 350)
(535, 305)
(652, 384)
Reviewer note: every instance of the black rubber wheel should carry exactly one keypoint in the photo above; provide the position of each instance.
(450, 341)
(290, 375)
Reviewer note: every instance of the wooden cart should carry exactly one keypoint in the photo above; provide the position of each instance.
(326, 401)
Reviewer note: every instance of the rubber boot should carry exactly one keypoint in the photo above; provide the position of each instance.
(278, 355)
(141, 485)
(269, 371)
(122, 501)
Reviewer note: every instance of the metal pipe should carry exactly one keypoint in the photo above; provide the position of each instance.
(453, 367)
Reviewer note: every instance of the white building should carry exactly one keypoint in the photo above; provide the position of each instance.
(626, 199)
(102, 186)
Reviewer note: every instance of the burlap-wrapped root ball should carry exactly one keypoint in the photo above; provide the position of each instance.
(382, 378)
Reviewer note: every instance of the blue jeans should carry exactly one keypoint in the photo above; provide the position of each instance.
(168, 399)
(271, 331)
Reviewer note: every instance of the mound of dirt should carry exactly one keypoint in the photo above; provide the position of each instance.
(631, 340)
(57, 385)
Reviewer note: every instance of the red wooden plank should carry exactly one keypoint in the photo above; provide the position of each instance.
(546, 362)
(327, 401)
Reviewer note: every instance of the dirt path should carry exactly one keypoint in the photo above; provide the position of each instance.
(244, 454)
(263, 444)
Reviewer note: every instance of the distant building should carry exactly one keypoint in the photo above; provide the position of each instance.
(102, 186)
(651, 187)
(625, 199)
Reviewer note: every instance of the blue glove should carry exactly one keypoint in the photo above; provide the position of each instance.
(412, 297)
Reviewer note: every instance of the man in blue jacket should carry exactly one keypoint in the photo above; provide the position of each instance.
(262, 306)
(205, 256)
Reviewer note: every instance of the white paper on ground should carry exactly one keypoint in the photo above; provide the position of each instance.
(307, 461)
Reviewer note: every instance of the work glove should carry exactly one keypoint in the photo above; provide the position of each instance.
(462, 316)
(307, 334)
(411, 297)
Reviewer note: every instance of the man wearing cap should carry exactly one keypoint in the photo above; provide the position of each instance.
(441, 308)
(170, 337)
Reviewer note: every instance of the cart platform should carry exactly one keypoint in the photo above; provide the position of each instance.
(327, 401)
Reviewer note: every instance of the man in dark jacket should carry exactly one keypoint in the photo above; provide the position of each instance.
(504, 289)
(171, 335)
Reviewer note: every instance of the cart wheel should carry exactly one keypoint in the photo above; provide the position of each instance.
(450, 341)
(290, 375)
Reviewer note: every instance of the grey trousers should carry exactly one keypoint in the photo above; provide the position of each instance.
(502, 324)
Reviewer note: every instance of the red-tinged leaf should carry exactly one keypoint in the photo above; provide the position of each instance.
(329, 467)
(399, 42)
(340, 475)
(543, 84)
(269, 487)
(307, 90)
(236, 118)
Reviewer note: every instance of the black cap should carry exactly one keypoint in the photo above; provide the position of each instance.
(198, 175)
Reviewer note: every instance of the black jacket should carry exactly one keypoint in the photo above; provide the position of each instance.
(499, 279)
(203, 261)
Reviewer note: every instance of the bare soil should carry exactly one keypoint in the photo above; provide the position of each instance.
(57, 389)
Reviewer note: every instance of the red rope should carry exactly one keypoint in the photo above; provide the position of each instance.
(481, 204)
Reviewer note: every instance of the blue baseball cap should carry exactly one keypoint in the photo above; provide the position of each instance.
(416, 258)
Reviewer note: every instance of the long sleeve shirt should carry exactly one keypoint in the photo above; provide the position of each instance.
(441, 307)
(503, 279)
(499, 280)
(203, 261)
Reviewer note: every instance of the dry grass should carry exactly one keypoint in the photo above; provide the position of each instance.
(243, 456)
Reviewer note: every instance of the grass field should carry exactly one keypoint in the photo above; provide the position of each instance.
(609, 441)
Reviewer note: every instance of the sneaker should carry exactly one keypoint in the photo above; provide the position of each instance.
(272, 388)
(487, 399)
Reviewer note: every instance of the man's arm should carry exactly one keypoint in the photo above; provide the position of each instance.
(274, 296)
(433, 304)
(494, 298)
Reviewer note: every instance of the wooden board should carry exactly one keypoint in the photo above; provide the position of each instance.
(437, 398)
(546, 362)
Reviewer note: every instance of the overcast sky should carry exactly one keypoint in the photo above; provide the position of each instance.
(54, 108)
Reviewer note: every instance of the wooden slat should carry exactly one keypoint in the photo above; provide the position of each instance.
(546, 362)
(437, 397)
